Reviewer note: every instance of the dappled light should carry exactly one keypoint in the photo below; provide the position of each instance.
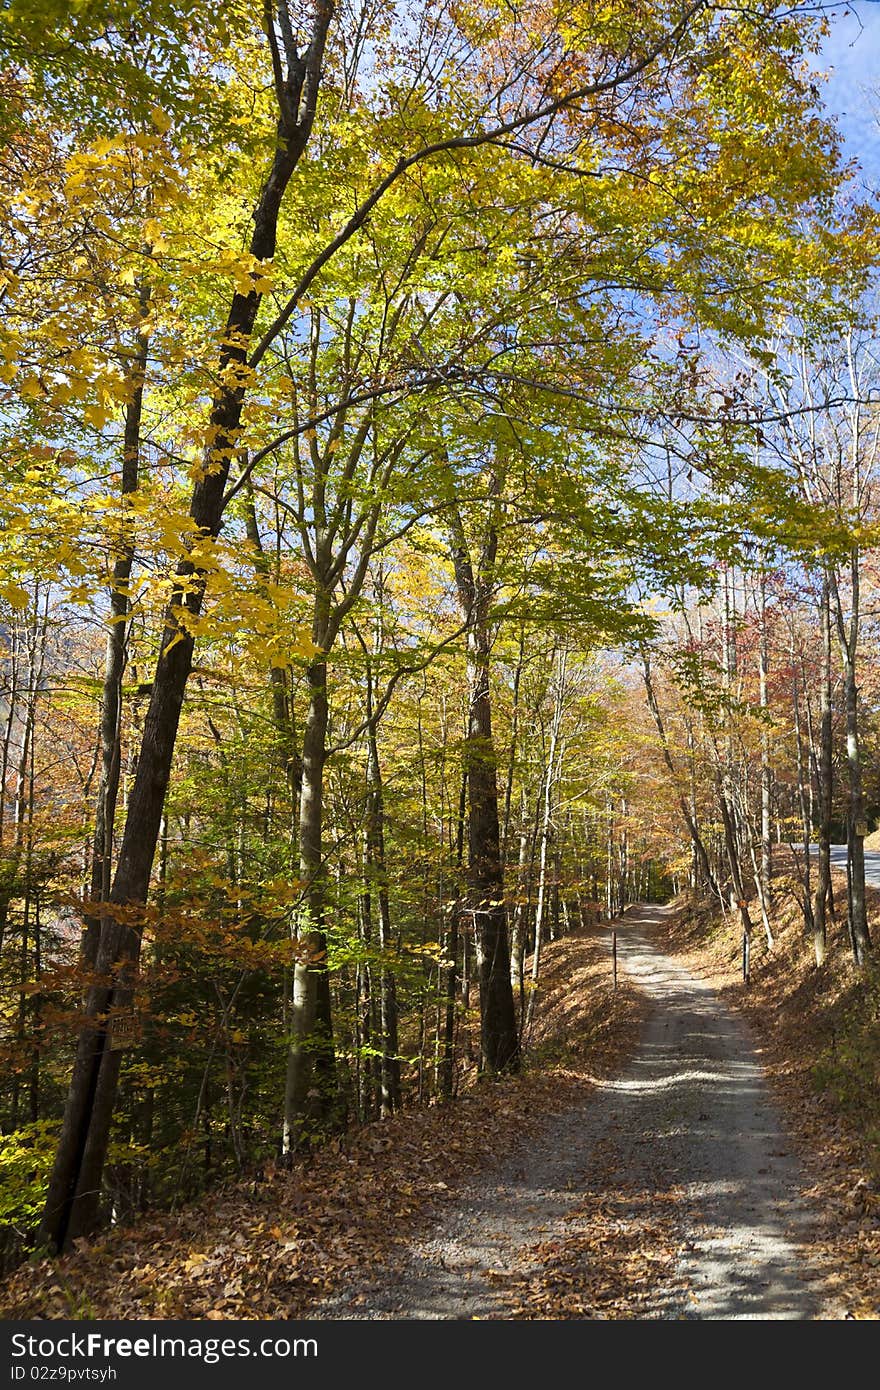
(439, 696)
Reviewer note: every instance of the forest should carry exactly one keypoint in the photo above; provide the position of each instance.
(440, 516)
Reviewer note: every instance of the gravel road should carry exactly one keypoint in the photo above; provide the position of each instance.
(688, 1129)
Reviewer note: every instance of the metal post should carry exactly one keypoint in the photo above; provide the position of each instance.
(614, 956)
(746, 952)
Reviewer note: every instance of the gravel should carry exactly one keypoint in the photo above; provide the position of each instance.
(688, 1129)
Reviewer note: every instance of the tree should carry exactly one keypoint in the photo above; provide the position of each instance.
(74, 1192)
(485, 217)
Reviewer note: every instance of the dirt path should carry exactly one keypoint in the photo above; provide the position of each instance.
(687, 1136)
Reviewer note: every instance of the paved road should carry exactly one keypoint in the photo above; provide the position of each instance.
(872, 862)
(690, 1116)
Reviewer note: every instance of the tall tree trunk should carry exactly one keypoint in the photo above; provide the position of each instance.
(512, 750)
(848, 634)
(310, 1097)
(9, 721)
(725, 766)
(766, 770)
(364, 1001)
(623, 857)
(114, 662)
(498, 1031)
(610, 894)
(824, 775)
(802, 796)
(540, 906)
(447, 1066)
(518, 927)
(546, 828)
(861, 938)
(73, 1199)
(389, 1064)
(738, 895)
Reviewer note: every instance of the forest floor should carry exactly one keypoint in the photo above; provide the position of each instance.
(665, 1155)
(670, 1192)
(278, 1246)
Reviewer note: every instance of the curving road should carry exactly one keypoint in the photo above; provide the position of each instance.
(688, 1126)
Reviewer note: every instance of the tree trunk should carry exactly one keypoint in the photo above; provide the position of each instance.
(73, 1199)
(512, 750)
(518, 927)
(766, 770)
(860, 938)
(310, 1093)
(364, 1011)
(114, 665)
(447, 1066)
(546, 827)
(498, 1031)
(824, 788)
(389, 1065)
(737, 886)
(802, 797)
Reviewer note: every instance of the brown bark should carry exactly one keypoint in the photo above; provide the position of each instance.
(764, 879)
(824, 775)
(498, 1031)
(389, 1062)
(546, 830)
(518, 927)
(310, 1098)
(447, 1061)
(801, 776)
(848, 634)
(73, 1200)
(114, 665)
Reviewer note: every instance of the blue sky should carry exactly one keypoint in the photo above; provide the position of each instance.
(851, 56)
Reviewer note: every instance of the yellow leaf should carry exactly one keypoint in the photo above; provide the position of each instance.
(30, 388)
(15, 594)
(96, 415)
